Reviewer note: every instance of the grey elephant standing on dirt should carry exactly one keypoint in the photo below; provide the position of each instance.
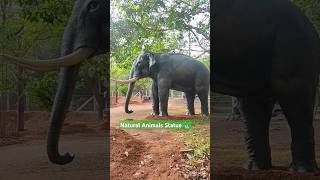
(171, 71)
(268, 51)
(84, 37)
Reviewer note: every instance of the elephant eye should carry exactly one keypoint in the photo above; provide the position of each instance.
(93, 6)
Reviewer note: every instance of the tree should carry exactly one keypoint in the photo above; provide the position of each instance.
(159, 26)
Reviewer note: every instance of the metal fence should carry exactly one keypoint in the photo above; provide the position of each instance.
(222, 105)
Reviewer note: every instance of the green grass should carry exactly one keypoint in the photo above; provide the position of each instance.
(198, 139)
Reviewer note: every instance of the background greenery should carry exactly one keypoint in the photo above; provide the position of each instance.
(33, 28)
(158, 26)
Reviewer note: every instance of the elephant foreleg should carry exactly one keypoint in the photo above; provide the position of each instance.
(155, 99)
(164, 97)
(257, 113)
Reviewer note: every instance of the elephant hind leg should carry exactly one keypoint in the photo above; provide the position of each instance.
(190, 102)
(299, 113)
(203, 96)
(256, 113)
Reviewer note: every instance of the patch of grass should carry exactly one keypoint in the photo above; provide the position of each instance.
(204, 121)
(198, 140)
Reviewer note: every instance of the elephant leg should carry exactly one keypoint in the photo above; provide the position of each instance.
(299, 114)
(203, 96)
(155, 99)
(256, 113)
(190, 102)
(164, 97)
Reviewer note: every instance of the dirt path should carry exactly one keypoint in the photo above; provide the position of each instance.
(158, 156)
(29, 160)
(82, 135)
(151, 154)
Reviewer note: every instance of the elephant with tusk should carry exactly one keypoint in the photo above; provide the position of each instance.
(85, 36)
(51, 64)
(170, 71)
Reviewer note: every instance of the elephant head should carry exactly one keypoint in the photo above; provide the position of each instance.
(144, 66)
(84, 37)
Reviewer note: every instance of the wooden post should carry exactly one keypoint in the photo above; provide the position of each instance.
(94, 83)
(2, 119)
(21, 101)
(7, 101)
(116, 92)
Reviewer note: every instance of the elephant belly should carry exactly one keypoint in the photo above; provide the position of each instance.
(183, 88)
(239, 87)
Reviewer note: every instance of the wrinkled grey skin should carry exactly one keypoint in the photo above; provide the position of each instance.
(268, 51)
(87, 28)
(171, 71)
(235, 114)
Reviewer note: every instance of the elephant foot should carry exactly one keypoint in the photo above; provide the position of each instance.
(233, 117)
(254, 165)
(154, 114)
(299, 166)
(190, 114)
(204, 115)
(163, 114)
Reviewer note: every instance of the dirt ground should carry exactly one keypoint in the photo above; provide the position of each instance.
(82, 135)
(135, 154)
(145, 154)
(229, 152)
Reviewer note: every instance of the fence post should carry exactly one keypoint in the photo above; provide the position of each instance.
(21, 101)
(2, 119)
(116, 92)
(7, 101)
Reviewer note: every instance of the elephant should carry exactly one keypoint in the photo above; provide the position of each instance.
(171, 71)
(267, 51)
(85, 36)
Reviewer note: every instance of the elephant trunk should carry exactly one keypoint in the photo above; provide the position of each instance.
(129, 93)
(62, 100)
(67, 82)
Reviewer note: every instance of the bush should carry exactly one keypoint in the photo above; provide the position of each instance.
(43, 90)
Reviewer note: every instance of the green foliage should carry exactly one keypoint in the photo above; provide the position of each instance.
(157, 26)
(312, 9)
(34, 29)
(206, 62)
(122, 89)
(43, 90)
(47, 11)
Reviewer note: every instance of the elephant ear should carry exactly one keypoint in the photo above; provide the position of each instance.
(152, 62)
